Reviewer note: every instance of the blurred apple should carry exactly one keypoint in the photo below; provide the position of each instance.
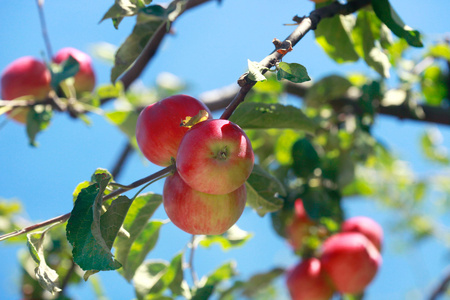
(351, 261)
(366, 226)
(85, 78)
(26, 76)
(298, 228)
(306, 281)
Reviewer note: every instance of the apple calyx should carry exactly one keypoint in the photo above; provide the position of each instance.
(188, 122)
(222, 154)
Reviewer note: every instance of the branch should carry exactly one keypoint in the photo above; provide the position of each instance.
(113, 194)
(442, 287)
(40, 4)
(127, 150)
(305, 24)
(151, 47)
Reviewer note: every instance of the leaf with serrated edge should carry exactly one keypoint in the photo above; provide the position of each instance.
(47, 277)
(263, 191)
(102, 179)
(87, 252)
(293, 72)
(253, 115)
(136, 223)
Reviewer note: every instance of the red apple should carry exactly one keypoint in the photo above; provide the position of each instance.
(85, 78)
(215, 157)
(298, 228)
(158, 130)
(199, 213)
(306, 281)
(25, 76)
(368, 227)
(351, 261)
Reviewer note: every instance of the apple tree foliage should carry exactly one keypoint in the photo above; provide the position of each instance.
(320, 149)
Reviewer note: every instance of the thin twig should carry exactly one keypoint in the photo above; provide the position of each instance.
(40, 4)
(151, 47)
(67, 278)
(118, 166)
(191, 261)
(442, 287)
(305, 24)
(113, 194)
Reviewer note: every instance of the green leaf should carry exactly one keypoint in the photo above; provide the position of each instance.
(47, 277)
(388, 16)
(233, 237)
(127, 53)
(38, 119)
(364, 38)
(88, 251)
(440, 51)
(125, 120)
(110, 90)
(305, 157)
(131, 251)
(207, 285)
(265, 116)
(61, 72)
(148, 278)
(254, 286)
(334, 36)
(121, 9)
(327, 89)
(264, 191)
(434, 85)
(293, 72)
(256, 71)
(156, 276)
(431, 142)
(320, 202)
(146, 26)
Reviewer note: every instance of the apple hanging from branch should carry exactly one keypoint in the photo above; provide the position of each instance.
(158, 130)
(25, 76)
(199, 213)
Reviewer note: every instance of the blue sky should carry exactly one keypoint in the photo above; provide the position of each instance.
(209, 50)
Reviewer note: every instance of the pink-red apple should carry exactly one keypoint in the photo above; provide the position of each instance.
(26, 76)
(351, 261)
(367, 226)
(199, 213)
(298, 228)
(158, 130)
(306, 281)
(85, 78)
(215, 157)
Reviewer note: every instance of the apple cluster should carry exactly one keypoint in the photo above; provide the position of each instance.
(29, 76)
(206, 194)
(347, 261)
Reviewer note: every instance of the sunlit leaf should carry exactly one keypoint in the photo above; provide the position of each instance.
(233, 237)
(293, 72)
(388, 16)
(334, 36)
(264, 191)
(131, 251)
(47, 277)
(264, 116)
